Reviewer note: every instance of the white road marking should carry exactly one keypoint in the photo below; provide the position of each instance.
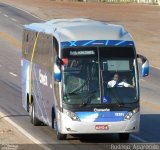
(13, 74)
(6, 15)
(25, 11)
(24, 132)
(138, 138)
(13, 19)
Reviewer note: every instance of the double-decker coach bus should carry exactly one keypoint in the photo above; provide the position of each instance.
(80, 76)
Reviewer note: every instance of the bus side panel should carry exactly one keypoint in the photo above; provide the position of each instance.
(25, 82)
(42, 78)
(43, 94)
(27, 46)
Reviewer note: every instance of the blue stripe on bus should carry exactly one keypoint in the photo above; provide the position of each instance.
(111, 116)
(97, 43)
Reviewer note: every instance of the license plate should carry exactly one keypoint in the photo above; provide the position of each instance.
(102, 127)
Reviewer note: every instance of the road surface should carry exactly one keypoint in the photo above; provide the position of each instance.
(11, 24)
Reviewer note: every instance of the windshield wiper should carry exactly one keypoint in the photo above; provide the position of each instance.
(116, 97)
(119, 98)
(75, 93)
(88, 98)
(72, 93)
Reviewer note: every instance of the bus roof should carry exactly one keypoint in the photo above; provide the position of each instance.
(81, 29)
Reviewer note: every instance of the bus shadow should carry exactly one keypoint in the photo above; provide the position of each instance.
(149, 128)
(98, 138)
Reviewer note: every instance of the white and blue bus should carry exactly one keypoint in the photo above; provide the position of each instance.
(80, 76)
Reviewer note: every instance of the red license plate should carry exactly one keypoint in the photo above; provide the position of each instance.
(102, 127)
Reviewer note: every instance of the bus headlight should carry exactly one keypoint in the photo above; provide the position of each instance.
(71, 114)
(131, 113)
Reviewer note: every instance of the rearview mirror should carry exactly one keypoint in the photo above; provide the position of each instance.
(58, 61)
(57, 73)
(145, 65)
(57, 69)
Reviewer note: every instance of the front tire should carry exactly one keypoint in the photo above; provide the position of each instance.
(124, 136)
(33, 118)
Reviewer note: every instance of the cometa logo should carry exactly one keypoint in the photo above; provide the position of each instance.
(43, 78)
(101, 110)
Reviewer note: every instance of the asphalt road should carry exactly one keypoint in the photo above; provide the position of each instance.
(11, 24)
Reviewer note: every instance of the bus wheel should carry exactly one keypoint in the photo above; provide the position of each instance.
(124, 136)
(61, 136)
(33, 118)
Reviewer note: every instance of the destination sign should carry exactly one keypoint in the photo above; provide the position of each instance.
(81, 53)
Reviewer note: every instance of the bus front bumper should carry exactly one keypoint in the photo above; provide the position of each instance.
(68, 126)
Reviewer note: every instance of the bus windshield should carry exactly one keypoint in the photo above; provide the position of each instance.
(99, 76)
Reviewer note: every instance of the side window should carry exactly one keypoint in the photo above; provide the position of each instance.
(30, 44)
(55, 51)
(37, 54)
(56, 84)
(43, 53)
(47, 51)
(25, 44)
(55, 47)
